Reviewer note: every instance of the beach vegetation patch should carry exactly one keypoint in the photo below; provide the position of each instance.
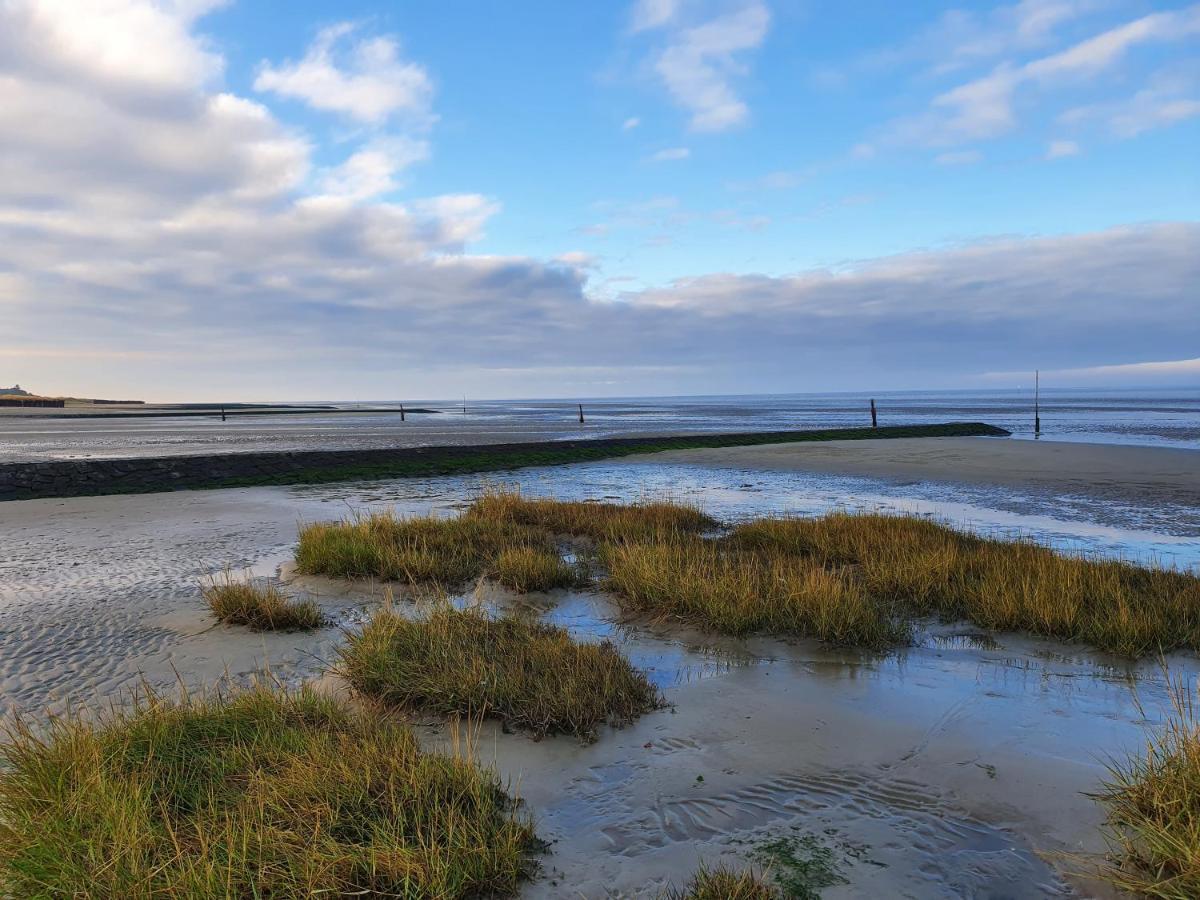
(1153, 803)
(530, 675)
(708, 583)
(261, 606)
(724, 883)
(607, 522)
(260, 793)
(926, 568)
(420, 550)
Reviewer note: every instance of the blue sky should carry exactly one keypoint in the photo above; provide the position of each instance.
(556, 198)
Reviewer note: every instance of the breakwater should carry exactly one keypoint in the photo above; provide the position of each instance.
(83, 477)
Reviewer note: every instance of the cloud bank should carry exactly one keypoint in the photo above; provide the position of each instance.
(166, 237)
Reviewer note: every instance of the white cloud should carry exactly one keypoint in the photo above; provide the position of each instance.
(369, 82)
(962, 37)
(647, 14)
(1170, 97)
(631, 123)
(128, 47)
(1117, 372)
(373, 170)
(577, 259)
(671, 154)
(700, 62)
(959, 158)
(1061, 149)
(986, 107)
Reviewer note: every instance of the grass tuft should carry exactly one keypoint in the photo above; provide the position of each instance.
(526, 569)
(738, 593)
(530, 675)
(260, 606)
(927, 568)
(722, 883)
(608, 522)
(1153, 806)
(256, 794)
(419, 550)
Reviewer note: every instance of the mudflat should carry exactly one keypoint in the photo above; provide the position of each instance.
(1129, 473)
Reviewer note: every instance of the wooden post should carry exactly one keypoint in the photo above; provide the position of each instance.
(401, 412)
(580, 413)
(464, 404)
(874, 417)
(222, 414)
(1037, 405)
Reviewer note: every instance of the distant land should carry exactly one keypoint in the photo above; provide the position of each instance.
(16, 396)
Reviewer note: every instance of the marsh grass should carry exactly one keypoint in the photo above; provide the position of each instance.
(260, 606)
(501, 536)
(419, 550)
(526, 569)
(602, 522)
(1153, 804)
(722, 883)
(256, 794)
(530, 675)
(926, 568)
(737, 593)
(857, 579)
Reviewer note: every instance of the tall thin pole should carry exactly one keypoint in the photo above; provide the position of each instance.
(1037, 405)
(401, 412)
(464, 404)
(580, 413)
(874, 418)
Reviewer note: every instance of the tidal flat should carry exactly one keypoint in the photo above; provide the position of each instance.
(959, 765)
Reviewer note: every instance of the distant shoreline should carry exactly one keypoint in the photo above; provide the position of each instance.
(87, 477)
(207, 411)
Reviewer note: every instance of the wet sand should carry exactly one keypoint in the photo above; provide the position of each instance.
(1139, 474)
(953, 768)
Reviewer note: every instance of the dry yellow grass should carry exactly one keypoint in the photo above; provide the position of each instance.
(420, 550)
(930, 569)
(528, 674)
(736, 593)
(722, 883)
(845, 578)
(258, 794)
(609, 522)
(260, 606)
(1153, 806)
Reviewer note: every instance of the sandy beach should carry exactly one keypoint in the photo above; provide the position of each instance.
(956, 767)
(1132, 474)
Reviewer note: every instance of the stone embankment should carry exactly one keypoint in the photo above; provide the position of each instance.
(81, 477)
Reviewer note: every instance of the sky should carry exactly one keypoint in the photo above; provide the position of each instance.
(260, 199)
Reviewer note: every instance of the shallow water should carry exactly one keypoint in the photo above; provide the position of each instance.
(1161, 418)
(944, 769)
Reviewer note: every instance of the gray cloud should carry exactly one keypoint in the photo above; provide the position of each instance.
(179, 249)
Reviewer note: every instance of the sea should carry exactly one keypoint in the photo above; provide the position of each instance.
(1168, 418)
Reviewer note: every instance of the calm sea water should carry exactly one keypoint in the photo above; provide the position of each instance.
(1114, 416)
(1164, 418)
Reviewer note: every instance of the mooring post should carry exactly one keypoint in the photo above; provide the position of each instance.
(401, 412)
(580, 413)
(1037, 405)
(222, 414)
(874, 417)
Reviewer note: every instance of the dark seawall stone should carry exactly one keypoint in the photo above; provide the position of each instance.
(84, 477)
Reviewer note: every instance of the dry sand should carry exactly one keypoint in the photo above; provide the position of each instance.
(1132, 474)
